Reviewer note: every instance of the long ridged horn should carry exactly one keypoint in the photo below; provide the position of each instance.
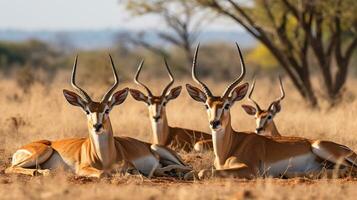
(116, 82)
(282, 92)
(74, 85)
(241, 76)
(136, 79)
(172, 80)
(194, 76)
(250, 97)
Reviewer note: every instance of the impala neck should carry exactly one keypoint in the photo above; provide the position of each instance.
(103, 144)
(271, 129)
(160, 129)
(222, 142)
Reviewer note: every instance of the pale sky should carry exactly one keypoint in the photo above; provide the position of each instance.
(78, 15)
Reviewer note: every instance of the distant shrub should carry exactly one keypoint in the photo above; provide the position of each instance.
(25, 78)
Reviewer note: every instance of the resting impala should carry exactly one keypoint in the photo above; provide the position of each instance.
(249, 155)
(265, 118)
(163, 134)
(97, 154)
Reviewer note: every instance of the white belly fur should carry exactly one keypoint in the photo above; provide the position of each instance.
(146, 164)
(297, 164)
(20, 156)
(25, 158)
(58, 162)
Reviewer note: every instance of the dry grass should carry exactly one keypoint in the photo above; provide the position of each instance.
(44, 114)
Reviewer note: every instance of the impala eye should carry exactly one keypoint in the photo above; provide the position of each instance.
(164, 104)
(206, 106)
(107, 111)
(226, 106)
(87, 112)
(269, 117)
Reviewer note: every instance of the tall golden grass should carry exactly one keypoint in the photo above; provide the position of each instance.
(43, 113)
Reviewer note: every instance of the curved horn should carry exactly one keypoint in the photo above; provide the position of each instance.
(172, 80)
(136, 79)
(194, 76)
(250, 96)
(116, 82)
(241, 76)
(282, 91)
(74, 85)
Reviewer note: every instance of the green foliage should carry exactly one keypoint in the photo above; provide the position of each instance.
(34, 53)
(25, 59)
(217, 60)
(261, 57)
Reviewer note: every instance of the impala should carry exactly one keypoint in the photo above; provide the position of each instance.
(162, 133)
(249, 155)
(265, 118)
(100, 153)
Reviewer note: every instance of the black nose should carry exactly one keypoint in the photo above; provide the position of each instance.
(259, 129)
(156, 118)
(97, 127)
(215, 124)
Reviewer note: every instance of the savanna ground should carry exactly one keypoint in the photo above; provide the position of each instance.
(43, 113)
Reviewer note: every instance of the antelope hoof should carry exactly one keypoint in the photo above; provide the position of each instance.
(8, 170)
(43, 172)
(189, 176)
(205, 174)
(104, 174)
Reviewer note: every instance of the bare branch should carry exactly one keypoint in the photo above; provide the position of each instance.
(350, 49)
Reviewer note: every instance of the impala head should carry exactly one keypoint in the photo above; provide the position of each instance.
(263, 117)
(218, 107)
(156, 104)
(97, 112)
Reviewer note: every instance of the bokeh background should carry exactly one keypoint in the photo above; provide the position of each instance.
(296, 38)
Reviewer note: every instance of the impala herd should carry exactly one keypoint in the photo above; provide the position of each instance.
(263, 153)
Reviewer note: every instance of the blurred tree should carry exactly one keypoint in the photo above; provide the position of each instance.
(290, 29)
(183, 19)
(63, 42)
(127, 39)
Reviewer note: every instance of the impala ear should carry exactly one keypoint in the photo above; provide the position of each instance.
(173, 93)
(250, 110)
(74, 99)
(275, 107)
(118, 97)
(239, 93)
(196, 93)
(138, 95)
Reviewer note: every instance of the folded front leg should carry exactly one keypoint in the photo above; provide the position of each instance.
(89, 171)
(27, 171)
(237, 172)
